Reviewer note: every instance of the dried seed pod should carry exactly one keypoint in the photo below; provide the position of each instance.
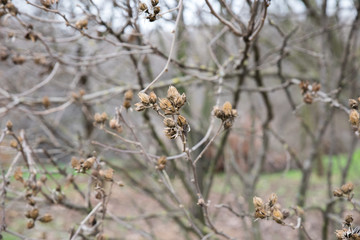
(353, 104)
(127, 104)
(354, 117)
(9, 125)
(113, 123)
(153, 98)
(161, 163)
(143, 7)
(315, 87)
(172, 93)
(277, 215)
(104, 117)
(227, 108)
(97, 118)
(338, 193)
(34, 213)
(89, 163)
(46, 101)
(169, 122)
(18, 59)
(304, 86)
(181, 121)
(144, 98)
(13, 144)
(272, 199)
(285, 213)
(260, 213)
(46, 218)
(154, 2)
(157, 10)
(347, 188)
(18, 175)
(349, 219)
(219, 113)
(107, 174)
(30, 224)
(139, 107)
(4, 54)
(11, 8)
(258, 202)
(81, 24)
(46, 3)
(170, 133)
(75, 163)
(129, 94)
(308, 99)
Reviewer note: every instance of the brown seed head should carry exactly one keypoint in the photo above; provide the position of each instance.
(227, 108)
(89, 163)
(277, 215)
(13, 144)
(354, 117)
(46, 101)
(154, 2)
(139, 107)
(75, 163)
(169, 122)
(347, 188)
(308, 99)
(153, 98)
(157, 10)
(338, 193)
(98, 118)
(353, 104)
(340, 234)
(113, 123)
(9, 125)
(260, 213)
(285, 213)
(34, 213)
(181, 121)
(18, 175)
(104, 117)
(258, 202)
(316, 87)
(83, 23)
(30, 224)
(127, 104)
(273, 199)
(170, 133)
(142, 7)
(349, 219)
(129, 94)
(219, 113)
(172, 93)
(46, 218)
(144, 98)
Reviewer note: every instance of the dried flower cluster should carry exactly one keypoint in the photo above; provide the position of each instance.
(309, 91)
(152, 11)
(227, 114)
(82, 165)
(33, 187)
(348, 232)
(354, 116)
(270, 209)
(344, 190)
(100, 118)
(175, 124)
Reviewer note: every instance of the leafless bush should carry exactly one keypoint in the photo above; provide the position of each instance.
(118, 118)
